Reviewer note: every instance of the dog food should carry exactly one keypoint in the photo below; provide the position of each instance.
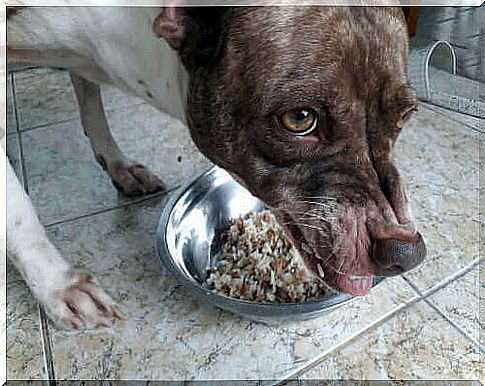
(260, 264)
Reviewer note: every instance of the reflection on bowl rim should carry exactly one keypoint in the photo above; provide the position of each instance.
(225, 302)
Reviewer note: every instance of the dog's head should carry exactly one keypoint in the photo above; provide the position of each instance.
(303, 105)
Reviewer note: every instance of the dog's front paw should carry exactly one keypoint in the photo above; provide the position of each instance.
(134, 180)
(79, 302)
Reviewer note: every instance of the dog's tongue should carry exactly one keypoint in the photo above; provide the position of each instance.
(358, 286)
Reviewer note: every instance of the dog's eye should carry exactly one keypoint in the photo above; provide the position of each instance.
(300, 121)
(405, 116)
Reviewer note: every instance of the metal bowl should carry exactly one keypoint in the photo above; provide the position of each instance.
(188, 241)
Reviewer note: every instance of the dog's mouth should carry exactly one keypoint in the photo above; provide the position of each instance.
(318, 262)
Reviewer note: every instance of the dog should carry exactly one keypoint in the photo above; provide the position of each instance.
(302, 105)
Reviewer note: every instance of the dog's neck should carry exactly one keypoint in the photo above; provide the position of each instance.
(170, 93)
(153, 70)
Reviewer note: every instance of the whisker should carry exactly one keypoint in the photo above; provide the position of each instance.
(311, 227)
(321, 204)
(314, 213)
(299, 222)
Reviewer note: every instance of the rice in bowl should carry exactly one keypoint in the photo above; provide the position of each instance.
(258, 263)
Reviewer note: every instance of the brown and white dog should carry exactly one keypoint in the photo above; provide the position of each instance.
(302, 105)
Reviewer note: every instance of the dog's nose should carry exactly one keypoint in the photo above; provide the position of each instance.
(394, 257)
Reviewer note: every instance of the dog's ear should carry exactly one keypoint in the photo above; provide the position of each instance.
(171, 24)
(195, 32)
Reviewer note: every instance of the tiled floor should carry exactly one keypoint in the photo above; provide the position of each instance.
(421, 326)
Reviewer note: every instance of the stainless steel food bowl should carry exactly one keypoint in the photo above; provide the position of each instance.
(188, 241)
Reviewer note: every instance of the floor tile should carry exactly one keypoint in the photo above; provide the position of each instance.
(439, 163)
(11, 123)
(170, 336)
(459, 301)
(46, 96)
(416, 344)
(24, 342)
(65, 181)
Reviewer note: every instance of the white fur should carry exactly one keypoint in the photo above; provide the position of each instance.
(52, 281)
(114, 45)
(102, 45)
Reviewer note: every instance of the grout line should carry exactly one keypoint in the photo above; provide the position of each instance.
(19, 137)
(76, 118)
(76, 115)
(462, 272)
(44, 125)
(47, 346)
(101, 211)
(10, 96)
(439, 311)
(338, 347)
(384, 318)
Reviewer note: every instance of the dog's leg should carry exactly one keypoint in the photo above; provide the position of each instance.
(72, 299)
(130, 178)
